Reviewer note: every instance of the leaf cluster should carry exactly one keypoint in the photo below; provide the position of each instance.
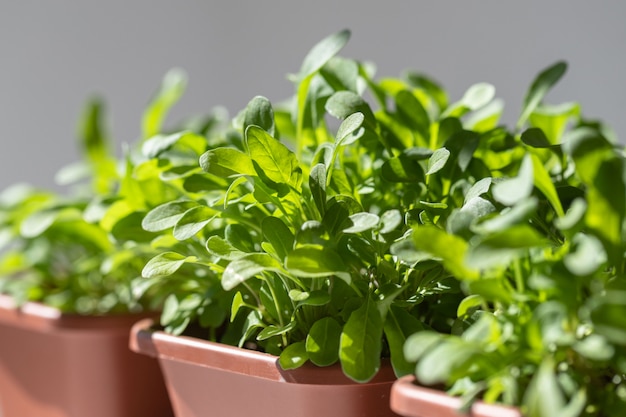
(82, 249)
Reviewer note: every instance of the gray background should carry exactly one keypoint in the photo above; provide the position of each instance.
(54, 54)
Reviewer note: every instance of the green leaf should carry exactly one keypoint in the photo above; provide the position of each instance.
(193, 221)
(587, 256)
(221, 248)
(553, 120)
(165, 264)
(485, 118)
(259, 113)
(399, 325)
(438, 363)
(236, 305)
(545, 184)
(315, 261)
(539, 88)
(166, 215)
(438, 160)
(278, 234)
(94, 139)
(361, 222)
(451, 249)
(477, 96)
(492, 289)
(361, 342)
(502, 247)
(413, 112)
(294, 356)
(317, 185)
(402, 169)
(315, 298)
(38, 222)
(341, 74)
(595, 347)
(470, 302)
(390, 220)
(129, 228)
(609, 317)
(478, 189)
(536, 138)
(430, 86)
(172, 88)
(544, 397)
(271, 331)
(170, 310)
(156, 144)
(275, 160)
(322, 52)
(322, 342)
(517, 214)
(419, 343)
(227, 162)
(574, 215)
(345, 103)
(513, 190)
(349, 130)
(252, 265)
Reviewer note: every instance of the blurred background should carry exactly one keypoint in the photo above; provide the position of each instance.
(55, 54)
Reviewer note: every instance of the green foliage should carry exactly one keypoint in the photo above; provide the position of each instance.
(83, 250)
(486, 259)
(418, 229)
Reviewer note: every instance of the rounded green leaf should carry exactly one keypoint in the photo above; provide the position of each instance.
(438, 363)
(322, 342)
(294, 356)
(259, 113)
(390, 220)
(165, 264)
(226, 162)
(166, 215)
(361, 222)
(419, 343)
(316, 262)
(322, 52)
(438, 160)
(193, 221)
(221, 248)
(513, 190)
(478, 95)
(252, 265)
(345, 103)
(37, 223)
(349, 130)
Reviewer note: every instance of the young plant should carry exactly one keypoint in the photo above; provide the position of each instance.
(307, 227)
(83, 252)
(542, 266)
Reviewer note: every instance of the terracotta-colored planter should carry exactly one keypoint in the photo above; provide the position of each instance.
(212, 379)
(411, 400)
(58, 365)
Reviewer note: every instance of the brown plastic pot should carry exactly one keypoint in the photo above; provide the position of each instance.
(59, 365)
(412, 400)
(211, 379)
